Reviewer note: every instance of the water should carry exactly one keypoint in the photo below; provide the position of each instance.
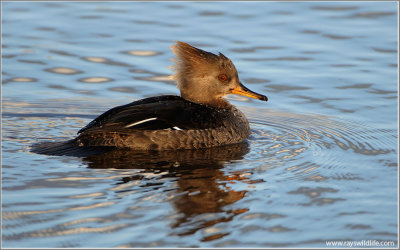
(321, 163)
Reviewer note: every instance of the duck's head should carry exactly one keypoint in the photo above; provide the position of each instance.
(203, 77)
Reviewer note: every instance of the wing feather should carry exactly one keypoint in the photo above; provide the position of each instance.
(162, 112)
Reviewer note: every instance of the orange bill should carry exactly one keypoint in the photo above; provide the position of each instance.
(242, 90)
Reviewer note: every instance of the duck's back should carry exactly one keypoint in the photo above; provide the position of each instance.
(165, 122)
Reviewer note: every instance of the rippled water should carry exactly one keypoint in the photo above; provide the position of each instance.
(321, 163)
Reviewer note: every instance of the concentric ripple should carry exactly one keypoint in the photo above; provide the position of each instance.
(303, 143)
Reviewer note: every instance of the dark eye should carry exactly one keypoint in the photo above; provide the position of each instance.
(222, 78)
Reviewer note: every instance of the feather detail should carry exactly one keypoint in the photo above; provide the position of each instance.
(140, 122)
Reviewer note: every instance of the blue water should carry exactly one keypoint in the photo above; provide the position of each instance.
(321, 163)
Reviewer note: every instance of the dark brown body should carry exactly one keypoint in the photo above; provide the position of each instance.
(196, 126)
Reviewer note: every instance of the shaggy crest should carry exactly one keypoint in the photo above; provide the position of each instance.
(191, 62)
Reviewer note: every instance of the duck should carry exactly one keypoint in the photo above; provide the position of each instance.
(199, 118)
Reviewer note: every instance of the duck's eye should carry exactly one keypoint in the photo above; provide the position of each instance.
(222, 78)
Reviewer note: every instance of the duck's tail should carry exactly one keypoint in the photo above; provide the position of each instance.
(67, 148)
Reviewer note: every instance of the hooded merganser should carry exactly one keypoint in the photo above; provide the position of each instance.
(199, 118)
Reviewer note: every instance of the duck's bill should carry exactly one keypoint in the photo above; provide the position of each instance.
(242, 90)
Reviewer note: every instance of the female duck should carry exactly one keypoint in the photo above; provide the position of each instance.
(199, 118)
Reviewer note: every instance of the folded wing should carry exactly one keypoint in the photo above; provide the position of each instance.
(155, 113)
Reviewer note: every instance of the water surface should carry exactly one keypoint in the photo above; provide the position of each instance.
(321, 163)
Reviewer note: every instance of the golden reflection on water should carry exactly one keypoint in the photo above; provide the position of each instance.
(51, 232)
(62, 229)
(142, 53)
(85, 195)
(97, 79)
(19, 214)
(96, 59)
(64, 71)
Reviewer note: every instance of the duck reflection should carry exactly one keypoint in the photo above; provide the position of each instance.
(202, 193)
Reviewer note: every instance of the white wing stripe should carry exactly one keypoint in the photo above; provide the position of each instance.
(140, 122)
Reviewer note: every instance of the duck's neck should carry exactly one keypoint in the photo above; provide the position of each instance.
(215, 103)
